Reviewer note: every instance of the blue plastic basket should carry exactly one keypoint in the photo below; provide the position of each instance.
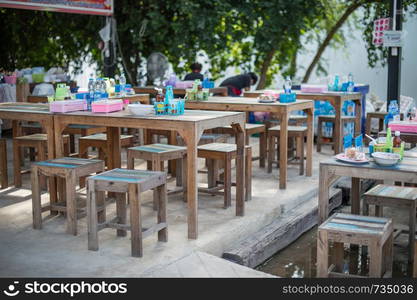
(287, 98)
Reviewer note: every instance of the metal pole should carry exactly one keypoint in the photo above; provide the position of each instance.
(394, 55)
(109, 55)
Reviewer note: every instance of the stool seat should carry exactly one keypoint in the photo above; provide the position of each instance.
(331, 118)
(132, 183)
(290, 129)
(218, 147)
(393, 191)
(103, 137)
(375, 233)
(249, 127)
(33, 137)
(123, 177)
(70, 169)
(160, 149)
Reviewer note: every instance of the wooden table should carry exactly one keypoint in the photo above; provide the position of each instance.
(336, 99)
(142, 98)
(179, 92)
(281, 110)
(331, 169)
(23, 111)
(190, 126)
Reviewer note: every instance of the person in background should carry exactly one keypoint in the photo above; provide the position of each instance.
(236, 84)
(196, 73)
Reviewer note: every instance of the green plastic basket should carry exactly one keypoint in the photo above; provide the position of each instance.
(38, 78)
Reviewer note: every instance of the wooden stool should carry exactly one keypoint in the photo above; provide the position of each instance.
(4, 181)
(99, 141)
(251, 129)
(216, 152)
(297, 132)
(132, 183)
(329, 119)
(69, 169)
(82, 130)
(157, 154)
(207, 138)
(397, 197)
(37, 141)
(380, 116)
(376, 233)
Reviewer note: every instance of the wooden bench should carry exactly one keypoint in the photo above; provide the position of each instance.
(4, 180)
(398, 197)
(132, 183)
(297, 132)
(157, 154)
(330, 119)
(375, 233)
(70, 170)
(38, 142)
(251, 129)
(222, 152)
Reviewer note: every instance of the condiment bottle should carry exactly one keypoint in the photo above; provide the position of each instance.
(397, 140)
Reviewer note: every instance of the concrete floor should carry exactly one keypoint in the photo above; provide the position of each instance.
(50, 252)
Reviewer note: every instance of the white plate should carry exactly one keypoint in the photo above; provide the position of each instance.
(344, 158)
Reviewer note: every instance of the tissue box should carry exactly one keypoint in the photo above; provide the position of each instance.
(64, 106)
(313, 88)
(287, 98)
(404, 127)
(106, 106)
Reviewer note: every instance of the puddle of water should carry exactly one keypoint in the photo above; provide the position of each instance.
(298, 260)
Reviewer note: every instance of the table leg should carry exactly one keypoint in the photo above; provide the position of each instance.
(283, 151)
(358, 117)
(310, 141)
(323, 193)
(240, 168)
(191, 138)
(114, 148)
(355, 196)
(172, 164)
(338, 128)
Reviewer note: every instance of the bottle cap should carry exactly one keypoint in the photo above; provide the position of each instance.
(397, 133)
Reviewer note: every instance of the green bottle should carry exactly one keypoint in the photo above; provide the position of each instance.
(389, 140)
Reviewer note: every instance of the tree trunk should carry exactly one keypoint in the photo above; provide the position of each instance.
(349, 10)
(264, 69)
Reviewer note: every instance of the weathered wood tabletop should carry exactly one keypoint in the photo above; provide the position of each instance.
(336, 99)
(280, 110)
(332, 169)
(178, 91)
(142, 98)
(190, 126)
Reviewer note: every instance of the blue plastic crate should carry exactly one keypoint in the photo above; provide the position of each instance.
(287, 98)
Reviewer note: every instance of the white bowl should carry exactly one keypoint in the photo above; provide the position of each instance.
(141, 109)
(386, 159)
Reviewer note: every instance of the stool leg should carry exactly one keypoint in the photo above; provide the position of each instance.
(271, 152)
(71, 207)
(184, 177)
(178, 172)
(379, 210)
(16, 165)
(121, 212)
(211, 181)
(130, 160)
(412, 231)
(67, 147)
(162, 212)
(135, 220)
(36, 199)
(301, 153)
(100, 200)
(72, 143)
(156, 166)
(3, 167)
(227, 182)
(322, 254)
(415, 260)
(319, 135)
(248, 175)
(41, 157)
(82, 153)
(375, 264)
(262, 149)
(92, 217)
(388, 255)
(339, 251)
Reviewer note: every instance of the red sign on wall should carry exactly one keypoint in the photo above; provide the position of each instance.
(90, 7)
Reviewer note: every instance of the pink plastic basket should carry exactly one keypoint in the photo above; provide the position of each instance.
(106, 106)
(313, 88)
(64, 106)
(410, 127)
(10, 79)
